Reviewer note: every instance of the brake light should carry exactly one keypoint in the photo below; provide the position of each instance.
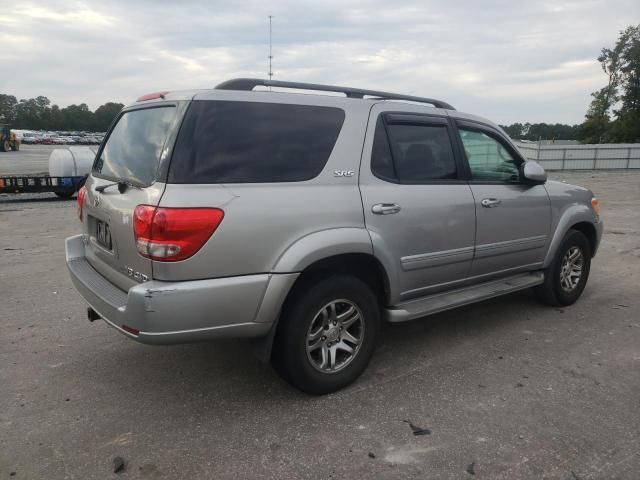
(82, 195)
(151, 96)
(172, 234)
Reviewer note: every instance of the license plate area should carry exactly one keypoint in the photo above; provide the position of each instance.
(103, 235)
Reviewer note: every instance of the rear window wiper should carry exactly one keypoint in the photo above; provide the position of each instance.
(122, 186)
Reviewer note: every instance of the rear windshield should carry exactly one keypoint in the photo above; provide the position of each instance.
(134, 145)
(246, 142)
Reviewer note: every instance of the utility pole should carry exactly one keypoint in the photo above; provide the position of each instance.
(270, 48)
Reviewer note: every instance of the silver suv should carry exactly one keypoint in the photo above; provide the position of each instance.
(305, 220)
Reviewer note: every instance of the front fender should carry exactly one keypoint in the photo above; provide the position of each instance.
(573, 214)
(323, 244)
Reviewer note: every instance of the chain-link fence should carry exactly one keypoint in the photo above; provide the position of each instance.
(583, 157)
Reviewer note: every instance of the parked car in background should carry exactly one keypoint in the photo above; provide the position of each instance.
(31, 137)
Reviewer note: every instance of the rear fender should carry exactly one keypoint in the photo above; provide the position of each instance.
(296, 258)
(323, 244)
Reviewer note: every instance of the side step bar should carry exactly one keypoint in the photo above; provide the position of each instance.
(464, 296)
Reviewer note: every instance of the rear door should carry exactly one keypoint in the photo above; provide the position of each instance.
(419, 212)
(513, 218)
(131, 155)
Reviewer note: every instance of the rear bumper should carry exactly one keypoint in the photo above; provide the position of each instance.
(181, 312)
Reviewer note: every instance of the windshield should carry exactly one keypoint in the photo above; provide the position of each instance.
(133, 149)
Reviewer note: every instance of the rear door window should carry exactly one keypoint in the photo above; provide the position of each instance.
(134, 146)
(413, 153)
(250, 142)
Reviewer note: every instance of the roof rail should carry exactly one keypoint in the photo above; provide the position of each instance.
(251, 83)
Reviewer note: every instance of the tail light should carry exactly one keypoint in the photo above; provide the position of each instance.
(82, 195)
(173, 234)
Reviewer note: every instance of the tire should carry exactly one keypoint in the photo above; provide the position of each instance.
(4, 146)
(304, 323)
(555, 291)
(65, 194)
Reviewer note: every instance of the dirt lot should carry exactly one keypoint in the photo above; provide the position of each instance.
(29, 160)
(509, 388)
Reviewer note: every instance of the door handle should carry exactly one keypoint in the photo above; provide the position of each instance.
(385, 208)
(490, 202)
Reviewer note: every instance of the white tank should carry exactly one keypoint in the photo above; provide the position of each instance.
(71, 161)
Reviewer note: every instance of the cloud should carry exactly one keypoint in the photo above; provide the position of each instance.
(509, 61)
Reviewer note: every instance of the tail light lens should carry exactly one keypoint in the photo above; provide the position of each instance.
(173, 234)
(82, 195)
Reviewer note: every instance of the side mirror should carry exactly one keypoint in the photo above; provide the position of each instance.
(533, 173)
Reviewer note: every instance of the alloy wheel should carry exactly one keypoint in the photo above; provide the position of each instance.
(571, 269)
(335, 336)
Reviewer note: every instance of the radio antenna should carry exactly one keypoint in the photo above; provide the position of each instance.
(270, 48)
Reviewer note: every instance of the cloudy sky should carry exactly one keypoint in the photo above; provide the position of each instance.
(504, 59)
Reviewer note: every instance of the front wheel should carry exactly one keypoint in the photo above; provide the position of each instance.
(567, 275)
(327, 334)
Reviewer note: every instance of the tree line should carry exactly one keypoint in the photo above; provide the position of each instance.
(544, 131)
(38, 114)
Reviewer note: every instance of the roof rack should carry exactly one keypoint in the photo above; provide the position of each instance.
(251, 83)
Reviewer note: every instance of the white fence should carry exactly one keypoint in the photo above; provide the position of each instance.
(583, 157)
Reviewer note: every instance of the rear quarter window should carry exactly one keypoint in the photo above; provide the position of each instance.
(133, 148)
(250, 142)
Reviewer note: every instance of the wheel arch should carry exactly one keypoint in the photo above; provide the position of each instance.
(363, 265)
(588, 230)
(577, 217)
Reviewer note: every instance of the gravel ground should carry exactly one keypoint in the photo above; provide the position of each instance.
(29, 160)
(509, 388)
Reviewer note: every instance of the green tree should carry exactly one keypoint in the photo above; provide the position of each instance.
(7, 108)
(105, 114)
(514, 130)
(622, 66)
(30, 113)
(77, 117)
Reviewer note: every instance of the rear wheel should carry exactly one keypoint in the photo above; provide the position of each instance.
(5, 146)
(567, 275)
(327, 334)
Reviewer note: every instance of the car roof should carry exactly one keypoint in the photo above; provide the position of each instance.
(311, 94)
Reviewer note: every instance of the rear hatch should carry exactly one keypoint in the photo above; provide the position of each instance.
(127, 173)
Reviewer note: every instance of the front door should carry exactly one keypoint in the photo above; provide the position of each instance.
(513, 218)
(419, 211)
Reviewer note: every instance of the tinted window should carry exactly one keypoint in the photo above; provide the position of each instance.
(242, 142)
(488, 158)
(134, 145)
(381, 159)
(413, 153)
